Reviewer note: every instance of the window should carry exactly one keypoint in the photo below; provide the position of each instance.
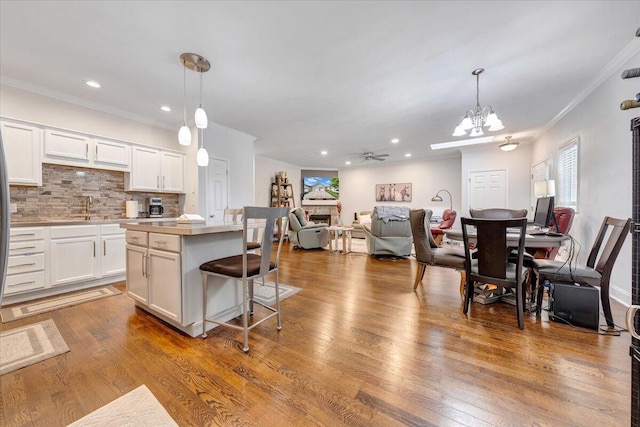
(567, 194)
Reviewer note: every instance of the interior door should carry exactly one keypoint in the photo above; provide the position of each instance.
(488, 189)
(217, 188)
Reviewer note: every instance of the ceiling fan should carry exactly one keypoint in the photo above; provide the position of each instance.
(369, 155)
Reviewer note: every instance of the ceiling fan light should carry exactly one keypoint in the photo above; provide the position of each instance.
(202, 157)
(477, 131)
(496, 125)
(466, 123)
(201, 118)
(184, 135)
(459, 131)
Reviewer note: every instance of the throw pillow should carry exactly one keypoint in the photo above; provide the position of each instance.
(365, 219)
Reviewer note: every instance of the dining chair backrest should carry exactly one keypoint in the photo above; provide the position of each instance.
(498, 213)
(493, 251)
(617, 229)
(422, 240)
(232, 216)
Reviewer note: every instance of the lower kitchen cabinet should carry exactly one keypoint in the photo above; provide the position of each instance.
(165, 278)
(137, 286)
(26, 263)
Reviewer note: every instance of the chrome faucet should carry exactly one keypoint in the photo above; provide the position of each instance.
(88, 204)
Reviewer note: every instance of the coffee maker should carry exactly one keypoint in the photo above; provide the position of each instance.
(155, 207)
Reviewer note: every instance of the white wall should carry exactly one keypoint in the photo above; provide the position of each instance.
(604, 165)
(265, 172)
(357, 185)
(517, 163)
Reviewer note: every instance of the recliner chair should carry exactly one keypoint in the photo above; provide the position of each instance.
(389, 235)
(448, 218)
(305, 235)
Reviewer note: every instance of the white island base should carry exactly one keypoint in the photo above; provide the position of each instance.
(163, 271)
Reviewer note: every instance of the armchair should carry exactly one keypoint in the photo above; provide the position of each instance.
(448, 218)
(564, 218)
(362, 218)
(305, 235)
(389, 232)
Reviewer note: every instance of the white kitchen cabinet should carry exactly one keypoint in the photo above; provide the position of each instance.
(26, 263)
(146, 169)
(23, 150)
(172, 172)
(74, 252)
(111, 154)
(137, 285)
(165, 279)
(156, 171)
(154, 276)
(64, 146)
(113, 250)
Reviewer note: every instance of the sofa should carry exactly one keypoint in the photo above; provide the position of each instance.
(304, 234)
(389, 232)
(362, 218)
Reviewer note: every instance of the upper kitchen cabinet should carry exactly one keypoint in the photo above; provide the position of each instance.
(73, 149)
(156, 170)
(23, 150)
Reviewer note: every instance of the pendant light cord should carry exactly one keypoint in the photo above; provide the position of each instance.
(184, 92)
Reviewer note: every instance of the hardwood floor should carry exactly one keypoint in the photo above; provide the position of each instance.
(358, 347)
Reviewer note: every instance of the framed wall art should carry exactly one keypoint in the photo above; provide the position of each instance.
(393, 192)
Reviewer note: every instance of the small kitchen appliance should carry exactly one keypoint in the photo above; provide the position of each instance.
(155, 207)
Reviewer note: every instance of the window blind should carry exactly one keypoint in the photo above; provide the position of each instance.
(567, 192)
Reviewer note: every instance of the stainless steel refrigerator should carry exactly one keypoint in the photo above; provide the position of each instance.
(4, 218)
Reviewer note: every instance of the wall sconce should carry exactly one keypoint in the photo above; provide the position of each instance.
(437, 198)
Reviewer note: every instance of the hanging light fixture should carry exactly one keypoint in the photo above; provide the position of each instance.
(202, 157)
(184, 135)
(474, 120)
(509, 145)
(201, 65)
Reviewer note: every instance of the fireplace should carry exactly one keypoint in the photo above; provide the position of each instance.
(326, 219)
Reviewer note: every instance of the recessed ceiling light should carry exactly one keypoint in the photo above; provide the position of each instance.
(395, 140)
(323, 152)
(407, 155)
(461, 143)
(165, 108)
(92, 83)
(348, 162)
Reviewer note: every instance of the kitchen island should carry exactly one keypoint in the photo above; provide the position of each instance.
(163, 271)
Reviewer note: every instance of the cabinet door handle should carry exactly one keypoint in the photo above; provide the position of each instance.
(24, 247)
(144, 274)
(24, 283)
(94, 248)
(23, 234)
(87, 150)
(96, 152)
(158, 181)
(104, 248)
(22, 265)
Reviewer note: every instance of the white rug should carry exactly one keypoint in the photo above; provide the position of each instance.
(29, 344)
(266, 293)
(31, 308)
(138, 408)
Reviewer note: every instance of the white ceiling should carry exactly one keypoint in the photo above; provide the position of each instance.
(345, 77)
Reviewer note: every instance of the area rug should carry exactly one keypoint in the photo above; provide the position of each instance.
(266, 293)
(31, 308)
(138, 408)
(29, 344)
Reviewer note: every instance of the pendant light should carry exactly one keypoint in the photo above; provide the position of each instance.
(184, 135)
(200, 65)
(201, 115)
(202, 157)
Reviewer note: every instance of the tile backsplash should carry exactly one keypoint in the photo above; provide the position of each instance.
(65, 189)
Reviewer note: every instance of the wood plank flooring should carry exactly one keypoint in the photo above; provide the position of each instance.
(358, 347)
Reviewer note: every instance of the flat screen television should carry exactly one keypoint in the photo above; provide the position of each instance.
(320, 188)
(544, 216)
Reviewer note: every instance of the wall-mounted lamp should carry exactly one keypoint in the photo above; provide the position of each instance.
(437, 198)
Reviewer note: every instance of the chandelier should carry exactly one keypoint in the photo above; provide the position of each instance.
(474, 120)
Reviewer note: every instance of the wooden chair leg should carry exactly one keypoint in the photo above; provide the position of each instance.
(606, 304)
(463, 281)
(419, 275)
(438, 239)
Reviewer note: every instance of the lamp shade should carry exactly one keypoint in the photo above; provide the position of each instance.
(202, 157)
(544, 188)
(201, 118)
(184, 135)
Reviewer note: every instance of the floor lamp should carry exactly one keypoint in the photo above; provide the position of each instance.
(437, 198)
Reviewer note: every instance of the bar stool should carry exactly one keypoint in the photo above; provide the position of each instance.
(246, 267)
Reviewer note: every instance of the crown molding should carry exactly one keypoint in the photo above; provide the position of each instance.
(233, 131)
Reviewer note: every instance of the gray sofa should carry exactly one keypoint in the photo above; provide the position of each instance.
(306, 235)
(386, 236)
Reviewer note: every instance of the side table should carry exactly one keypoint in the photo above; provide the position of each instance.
(346, 238)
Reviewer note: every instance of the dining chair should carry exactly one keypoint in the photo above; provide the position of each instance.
(597, 271)
(498, 213)
(234, 216)
(491, 264)
(428, 253)
(246, 267)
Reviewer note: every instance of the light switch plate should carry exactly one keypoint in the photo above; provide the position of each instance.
(13, 208)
